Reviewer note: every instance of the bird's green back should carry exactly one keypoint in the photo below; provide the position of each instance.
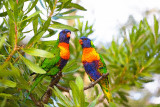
(49, 63)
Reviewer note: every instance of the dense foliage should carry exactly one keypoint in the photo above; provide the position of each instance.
(130, 62)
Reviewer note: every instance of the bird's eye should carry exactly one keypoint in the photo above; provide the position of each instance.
(85, 39)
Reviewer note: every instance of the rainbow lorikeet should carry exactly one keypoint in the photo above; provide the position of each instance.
(94, 65)
(53, 65)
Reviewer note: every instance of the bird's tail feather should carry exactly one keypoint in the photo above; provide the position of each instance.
(104, 83)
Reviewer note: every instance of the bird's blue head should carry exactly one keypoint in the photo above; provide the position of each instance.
(85, 42)
(64, 36)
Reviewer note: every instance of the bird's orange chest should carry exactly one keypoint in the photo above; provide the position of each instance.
(89, 55)
(64, 50)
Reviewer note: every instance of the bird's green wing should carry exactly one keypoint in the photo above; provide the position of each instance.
(102, 66)
(49, 63)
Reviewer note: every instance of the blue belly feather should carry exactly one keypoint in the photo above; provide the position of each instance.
(91, 69)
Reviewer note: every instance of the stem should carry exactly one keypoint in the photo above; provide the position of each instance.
(15, 46)
(37, 103)
(95, 82)
(52, 11)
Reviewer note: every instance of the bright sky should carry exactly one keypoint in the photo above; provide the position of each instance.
(109, 15)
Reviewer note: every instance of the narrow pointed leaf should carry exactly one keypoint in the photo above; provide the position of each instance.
(5, 95)
(69, 11)
(69, 17)
(8, 83)
(35, 25)
(33, 67)
(32, 15)
(2, 40)
(77, 6)
(39, 52)
(62, 26)
(35, 38)
(156, 27)
(33, 5)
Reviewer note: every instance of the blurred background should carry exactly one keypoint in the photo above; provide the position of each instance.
(125, 33)
(109, 18)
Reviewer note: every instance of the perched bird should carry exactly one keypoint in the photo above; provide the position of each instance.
(94, 65)
(53, 65)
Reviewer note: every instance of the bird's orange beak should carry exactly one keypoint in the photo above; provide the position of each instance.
(68, 34)
(80, 41)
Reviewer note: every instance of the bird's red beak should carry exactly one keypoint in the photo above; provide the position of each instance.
(68, 34)
(80, 41)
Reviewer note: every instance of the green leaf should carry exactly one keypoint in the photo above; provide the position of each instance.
(33, 5)
(32, 15)
(35, 38)
(33, 67)
(69, 11)
(35, 25)
(93, 103)
(63, 100)
(9, 12)
(111, 104)
(75, 93)
(57, 25)
(149, 62)
(69, 17)
(38, 52)
(15, 12)
(77, 6)
(79, 83)
(11, 32)
(3, 102)
(156, 27)
(2, 40)
(3, 14)
(5, 95)
(46, 24)
(8, 83)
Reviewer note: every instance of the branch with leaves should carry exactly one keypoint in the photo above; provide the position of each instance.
(85, 88)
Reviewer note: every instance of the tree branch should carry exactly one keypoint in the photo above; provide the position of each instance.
(37, 103)
(85, 88)
(48, 93)
(95, 82)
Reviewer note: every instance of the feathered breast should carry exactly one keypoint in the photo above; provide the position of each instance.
(64, 50)
(89, 55)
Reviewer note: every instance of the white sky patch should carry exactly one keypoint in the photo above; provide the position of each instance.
(154, 86)
(135, 95)
(109, 15)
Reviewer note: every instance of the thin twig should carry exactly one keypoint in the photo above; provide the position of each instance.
(48, 93)
(95, 82)
(141, 70)
(85, 88)
(62, 88)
